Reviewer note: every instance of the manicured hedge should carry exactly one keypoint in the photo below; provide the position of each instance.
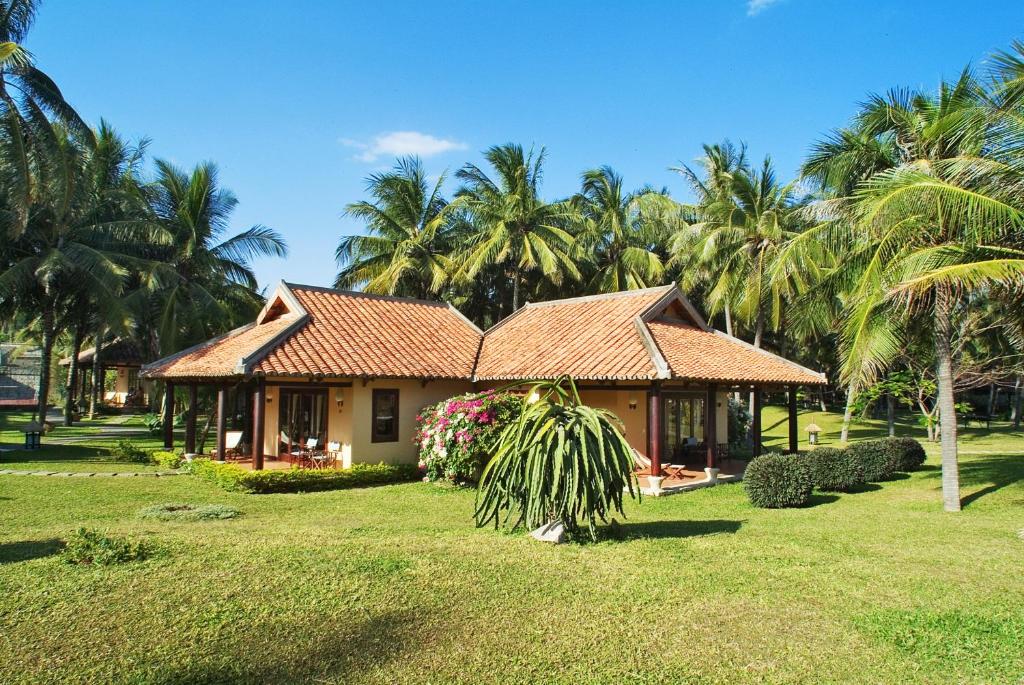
(907, 453)
(168, 460)
(877, 458)
(233, 477)
(834, 470)
(776, 481)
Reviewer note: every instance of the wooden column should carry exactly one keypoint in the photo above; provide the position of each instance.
(222, 406)
(190, 419)
(654, 428)
(794, 445)
(259, 410)
(711, 426)
(168, 415)
(756, 428)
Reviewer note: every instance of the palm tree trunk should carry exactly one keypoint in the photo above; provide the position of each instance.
(97, 368)
(821, 398)
(947, 405)
(515, 290)
(891, 414)
(728, 330)
(1016, 403)
(991, 398)
(851, 392)
(758, 335)
(69, 399)
(44, 368)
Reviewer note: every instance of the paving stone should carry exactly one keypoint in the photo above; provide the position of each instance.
(43, 473)
(105, 474)
(82, 475)
(127, 475)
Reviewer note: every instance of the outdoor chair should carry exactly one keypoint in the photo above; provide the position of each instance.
(306, 454)
(667, 470)
(232, 445)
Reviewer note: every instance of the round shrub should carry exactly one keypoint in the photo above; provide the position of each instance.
(907, 453)
(834, 470)
(776, 481)
(189, 512)
(875, 457)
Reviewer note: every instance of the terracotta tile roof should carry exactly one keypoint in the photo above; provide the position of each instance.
(698, 354)
(220, 356)
(587, 338)
(357, 335)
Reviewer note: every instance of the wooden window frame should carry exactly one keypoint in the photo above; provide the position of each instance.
(374, 436)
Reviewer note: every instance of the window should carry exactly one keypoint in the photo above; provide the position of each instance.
(385, 416)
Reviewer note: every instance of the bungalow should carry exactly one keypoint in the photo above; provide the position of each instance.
(353, 370)
(122, 357)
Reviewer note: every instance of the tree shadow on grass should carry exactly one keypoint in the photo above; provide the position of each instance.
(819, 498)
(994, 473)
(319, 651)
(677, 529)
(865, 487)
(13, 552)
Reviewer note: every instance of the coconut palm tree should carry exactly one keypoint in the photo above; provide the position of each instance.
(202, 283)
(622, 232)
(410, 235)
(514, 227)
(945, 220)
(27, 97)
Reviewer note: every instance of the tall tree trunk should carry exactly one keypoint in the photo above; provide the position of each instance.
(821, 398)
(991, 399)
(891, 414)
(851, 392)
(758, 335)
(97, 373)
(515, 290)
(44, 369)
(1017, 392)
(945, 400)
(69, 399)
(728, 330)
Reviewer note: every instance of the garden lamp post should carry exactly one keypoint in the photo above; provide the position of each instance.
(812, 434)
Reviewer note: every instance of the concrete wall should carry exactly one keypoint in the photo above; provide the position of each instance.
(350, 424)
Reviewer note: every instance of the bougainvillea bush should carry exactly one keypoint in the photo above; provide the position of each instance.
(455, 436)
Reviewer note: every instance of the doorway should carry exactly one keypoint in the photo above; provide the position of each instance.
(684, 426)
(302, 416)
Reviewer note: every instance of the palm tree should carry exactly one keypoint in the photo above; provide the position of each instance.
(27, 96)
(622, 232)
(410, 235)
(514, 227)
(203, 283)
(940, 223)
(75, 242)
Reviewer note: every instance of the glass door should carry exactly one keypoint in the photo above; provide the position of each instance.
(684, 426)
(302, 417)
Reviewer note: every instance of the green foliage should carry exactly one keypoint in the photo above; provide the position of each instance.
(91, 547)
(168, 460)
(456, 436)
(834, 470)
(127, 451)
(561, 460)
(876, 458)
(189, 512)
(154, 423)
(908, 454)
(777, 481)
(233, 477)
(739, 422)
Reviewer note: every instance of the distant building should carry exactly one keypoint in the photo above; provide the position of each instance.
(19, 375)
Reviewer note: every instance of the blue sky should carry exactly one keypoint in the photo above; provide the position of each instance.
(297, 102)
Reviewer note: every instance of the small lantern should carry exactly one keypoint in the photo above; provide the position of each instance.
(812, 434)
(33, 433)
(339, 398)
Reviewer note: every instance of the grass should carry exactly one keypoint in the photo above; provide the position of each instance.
(394, 585)
(88, 449)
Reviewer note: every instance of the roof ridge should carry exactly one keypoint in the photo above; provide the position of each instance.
(369, 296)
(603, 296)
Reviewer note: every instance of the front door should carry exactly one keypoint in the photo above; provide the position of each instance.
(684, 427)
(302, 416)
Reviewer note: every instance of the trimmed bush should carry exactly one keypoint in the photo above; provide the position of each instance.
(127, 451)
(168, 460)
(233, 477)
(189, 512)
(776, 481)
(834, 470)
(907, 453)
(91, 547)
(876, 458)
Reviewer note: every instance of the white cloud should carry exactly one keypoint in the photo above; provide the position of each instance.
(401, 143)
(755, 7)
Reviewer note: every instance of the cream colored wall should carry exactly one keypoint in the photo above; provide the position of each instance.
(412, 396)
(120, 391)
(351, 424)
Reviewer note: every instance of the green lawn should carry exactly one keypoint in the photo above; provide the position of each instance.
(394, 585)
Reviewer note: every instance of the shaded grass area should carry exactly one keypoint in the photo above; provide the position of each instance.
(394, 585)
(85, 446)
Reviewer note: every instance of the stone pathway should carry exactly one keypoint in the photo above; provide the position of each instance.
(90, 474)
